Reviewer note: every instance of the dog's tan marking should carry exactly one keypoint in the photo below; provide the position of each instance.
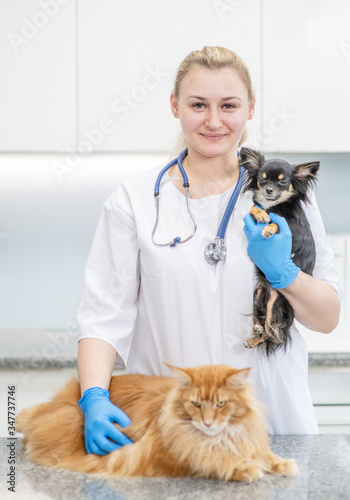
(270, 303)
(264, 175)
(280, 177)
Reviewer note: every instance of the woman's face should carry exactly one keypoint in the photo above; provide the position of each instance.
(213, 108)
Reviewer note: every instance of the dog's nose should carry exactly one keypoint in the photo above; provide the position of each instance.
(269, 189)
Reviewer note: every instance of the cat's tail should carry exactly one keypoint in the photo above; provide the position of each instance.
(42, 427)
(54, 437)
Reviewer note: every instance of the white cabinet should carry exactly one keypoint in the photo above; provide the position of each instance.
(128, 57)
(306, 76)
(96, 75)
(339, 339)
(329, 388)
(37, 84)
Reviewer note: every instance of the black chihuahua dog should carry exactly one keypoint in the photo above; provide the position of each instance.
(280, 188)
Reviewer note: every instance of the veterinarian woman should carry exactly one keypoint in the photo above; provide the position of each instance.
(143, 304)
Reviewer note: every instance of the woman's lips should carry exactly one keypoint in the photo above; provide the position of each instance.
(213, 137)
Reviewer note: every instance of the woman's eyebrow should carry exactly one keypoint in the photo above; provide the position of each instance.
(200, 98)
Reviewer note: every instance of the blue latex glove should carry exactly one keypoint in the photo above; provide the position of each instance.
(99, 413)
(272, 255)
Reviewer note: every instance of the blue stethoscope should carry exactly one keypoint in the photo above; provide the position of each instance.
(213, 251)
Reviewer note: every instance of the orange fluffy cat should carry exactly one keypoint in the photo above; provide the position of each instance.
(203, 423)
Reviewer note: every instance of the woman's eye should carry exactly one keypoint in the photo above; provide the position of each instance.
(229, 106)
(220, 404)
(196, 404)
(198, 105)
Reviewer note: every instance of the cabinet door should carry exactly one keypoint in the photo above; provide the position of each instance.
(339, 339)
(37, 84)
(306, 76)
(128, 57)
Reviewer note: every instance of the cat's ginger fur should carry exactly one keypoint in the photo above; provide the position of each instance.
(172, 437)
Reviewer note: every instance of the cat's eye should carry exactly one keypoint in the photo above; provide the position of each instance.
(220, 404)
(196, 404)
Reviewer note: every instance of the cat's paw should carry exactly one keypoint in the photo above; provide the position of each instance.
(285, 468)
(248, 475)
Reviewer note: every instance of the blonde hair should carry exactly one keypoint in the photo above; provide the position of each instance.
(213, 58)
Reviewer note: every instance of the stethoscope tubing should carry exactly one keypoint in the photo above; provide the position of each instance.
(177, 239)
(166, 168)
(214, 251)
(230, 206)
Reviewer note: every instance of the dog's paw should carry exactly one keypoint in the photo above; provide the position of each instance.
(262, 217)
(258, 329)
(269, 230)
(253, 342)
(259, 215)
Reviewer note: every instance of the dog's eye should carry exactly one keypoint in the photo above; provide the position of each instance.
(282, 183)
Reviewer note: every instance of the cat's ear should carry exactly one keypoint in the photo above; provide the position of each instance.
(181, 375)
(238, 379)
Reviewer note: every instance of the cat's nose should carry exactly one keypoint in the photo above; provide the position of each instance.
(208, 424)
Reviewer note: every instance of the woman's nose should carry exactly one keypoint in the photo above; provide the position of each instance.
(213, 120)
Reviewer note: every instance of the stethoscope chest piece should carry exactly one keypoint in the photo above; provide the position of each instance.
(216, 251)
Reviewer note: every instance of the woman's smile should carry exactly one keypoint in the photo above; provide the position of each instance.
(213, 137)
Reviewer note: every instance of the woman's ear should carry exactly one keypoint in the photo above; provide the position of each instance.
(174, 106)
(251, 112)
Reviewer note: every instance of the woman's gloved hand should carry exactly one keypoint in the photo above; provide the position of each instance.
(272, 255)
(101, 435)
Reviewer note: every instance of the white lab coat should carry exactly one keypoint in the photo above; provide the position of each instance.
(162, 304)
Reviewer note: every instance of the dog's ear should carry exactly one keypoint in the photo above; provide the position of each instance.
(304, 177)
(250, 159)
(307, 171)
